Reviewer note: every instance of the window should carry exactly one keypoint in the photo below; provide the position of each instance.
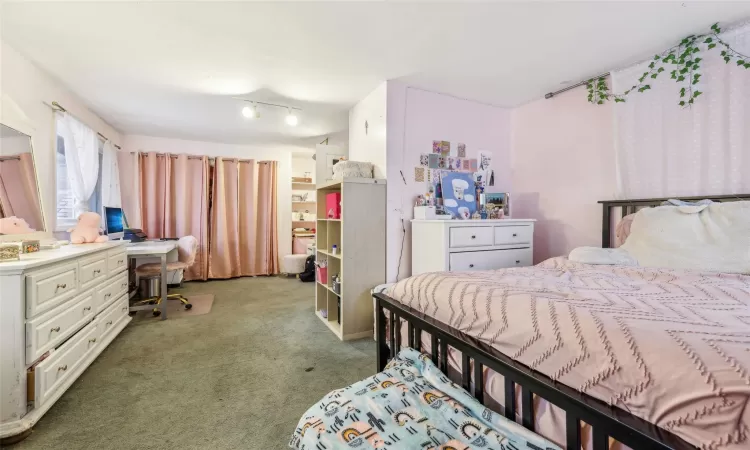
(66, 217)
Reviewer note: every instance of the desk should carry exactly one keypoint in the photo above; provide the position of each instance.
(158, 249)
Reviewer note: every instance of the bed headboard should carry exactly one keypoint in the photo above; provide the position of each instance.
(630, 206)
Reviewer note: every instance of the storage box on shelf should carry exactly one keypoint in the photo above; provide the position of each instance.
(358, 232)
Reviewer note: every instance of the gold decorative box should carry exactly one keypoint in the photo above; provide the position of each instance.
(30, 246)
(10, 252)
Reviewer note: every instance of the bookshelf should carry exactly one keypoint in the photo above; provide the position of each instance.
(359, 236)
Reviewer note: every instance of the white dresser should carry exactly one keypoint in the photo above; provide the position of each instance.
(58, 310)
(456, 245)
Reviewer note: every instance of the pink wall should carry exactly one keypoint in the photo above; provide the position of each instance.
(415, 118)
(563, 162)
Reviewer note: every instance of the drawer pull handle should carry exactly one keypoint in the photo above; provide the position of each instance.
(88, 308)
(515, 235)
(54, 330)
(108, 323)
(473, 237)
(108, 295)
(92, 340)
(124, 285)
(97, 271)
(120, 261)
(471, 265)
(124, 308)
(518, 261)
(63, 368)
(61, 286)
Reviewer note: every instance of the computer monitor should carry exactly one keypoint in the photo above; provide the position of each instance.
(114, 222)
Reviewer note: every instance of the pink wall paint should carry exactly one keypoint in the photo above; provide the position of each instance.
(414, 118)
(563, 162)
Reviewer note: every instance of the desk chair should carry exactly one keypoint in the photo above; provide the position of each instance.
(187, 248)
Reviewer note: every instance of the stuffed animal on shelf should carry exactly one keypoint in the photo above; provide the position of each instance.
(14, 225)
(87, 230)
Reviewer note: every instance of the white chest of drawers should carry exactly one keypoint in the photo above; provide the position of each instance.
(59, 309)
(458, 245)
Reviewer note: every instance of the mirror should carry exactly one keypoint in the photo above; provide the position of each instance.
(19, 187)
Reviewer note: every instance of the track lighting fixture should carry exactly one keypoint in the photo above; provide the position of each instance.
(249, 112)
(291, 119)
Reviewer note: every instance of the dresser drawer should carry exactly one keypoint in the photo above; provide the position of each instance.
(92, 270)
(47, 288)
(112, 316)
(64, 364)
(110, 290)
(522, 234)
(50, 329)
(117, 260)
(490, 259)
(470, 236)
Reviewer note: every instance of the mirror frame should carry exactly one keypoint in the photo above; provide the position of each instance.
(13, 117)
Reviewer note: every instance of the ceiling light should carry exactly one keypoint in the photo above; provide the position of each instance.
(291, 119)
(251, 113)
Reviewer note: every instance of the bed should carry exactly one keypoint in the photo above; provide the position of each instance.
(629, 356)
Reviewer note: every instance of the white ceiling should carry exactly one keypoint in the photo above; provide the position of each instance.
(170, 69)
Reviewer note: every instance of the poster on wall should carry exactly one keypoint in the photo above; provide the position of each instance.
(485, 160)
(458, 194)
(461, 150)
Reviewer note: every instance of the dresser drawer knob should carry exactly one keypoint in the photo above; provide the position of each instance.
(61, 286)
(471, 265)
(63, 368)
(54, 330)
(108, 295)
(473, 237)
(515, 235)
(108, 323)
(88, 308)
(518, 261)
(92, 340)
(97, 271)
(120, 261)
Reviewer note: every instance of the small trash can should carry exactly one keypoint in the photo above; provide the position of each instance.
(149, 286)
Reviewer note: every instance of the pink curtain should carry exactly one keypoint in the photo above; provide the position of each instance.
(18, 190)
(174, 202)
(243, 237)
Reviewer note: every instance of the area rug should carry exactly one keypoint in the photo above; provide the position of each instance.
(202, 304)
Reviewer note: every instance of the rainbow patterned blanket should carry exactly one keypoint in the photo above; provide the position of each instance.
(410, 405)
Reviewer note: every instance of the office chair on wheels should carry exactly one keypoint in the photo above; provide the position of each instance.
(187, 248)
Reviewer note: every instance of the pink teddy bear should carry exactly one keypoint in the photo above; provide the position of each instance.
(87, 230)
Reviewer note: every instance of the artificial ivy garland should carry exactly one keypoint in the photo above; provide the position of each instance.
(685, 62)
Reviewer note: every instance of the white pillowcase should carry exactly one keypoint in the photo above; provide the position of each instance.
(712, 238)
(603, 256)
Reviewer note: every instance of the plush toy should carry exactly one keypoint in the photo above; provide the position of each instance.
(87, 230)
(14, 225)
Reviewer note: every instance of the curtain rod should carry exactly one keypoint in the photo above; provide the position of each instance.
(582, 83)
(58, 107)
(210, 158)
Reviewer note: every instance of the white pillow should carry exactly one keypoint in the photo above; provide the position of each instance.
(604, 256)
(715, 238)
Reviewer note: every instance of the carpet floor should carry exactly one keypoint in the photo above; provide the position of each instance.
(235, 378)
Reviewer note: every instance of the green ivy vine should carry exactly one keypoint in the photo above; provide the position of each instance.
(682, 62)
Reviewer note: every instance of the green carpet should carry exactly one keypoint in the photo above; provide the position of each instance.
(232, 379)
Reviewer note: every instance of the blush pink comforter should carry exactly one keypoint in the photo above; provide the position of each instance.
(670, 346)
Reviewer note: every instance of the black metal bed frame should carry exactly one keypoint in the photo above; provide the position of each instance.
(606, 421)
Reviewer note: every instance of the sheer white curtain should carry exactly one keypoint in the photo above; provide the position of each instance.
(665, 150)
(110, 176)
(81, 159)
